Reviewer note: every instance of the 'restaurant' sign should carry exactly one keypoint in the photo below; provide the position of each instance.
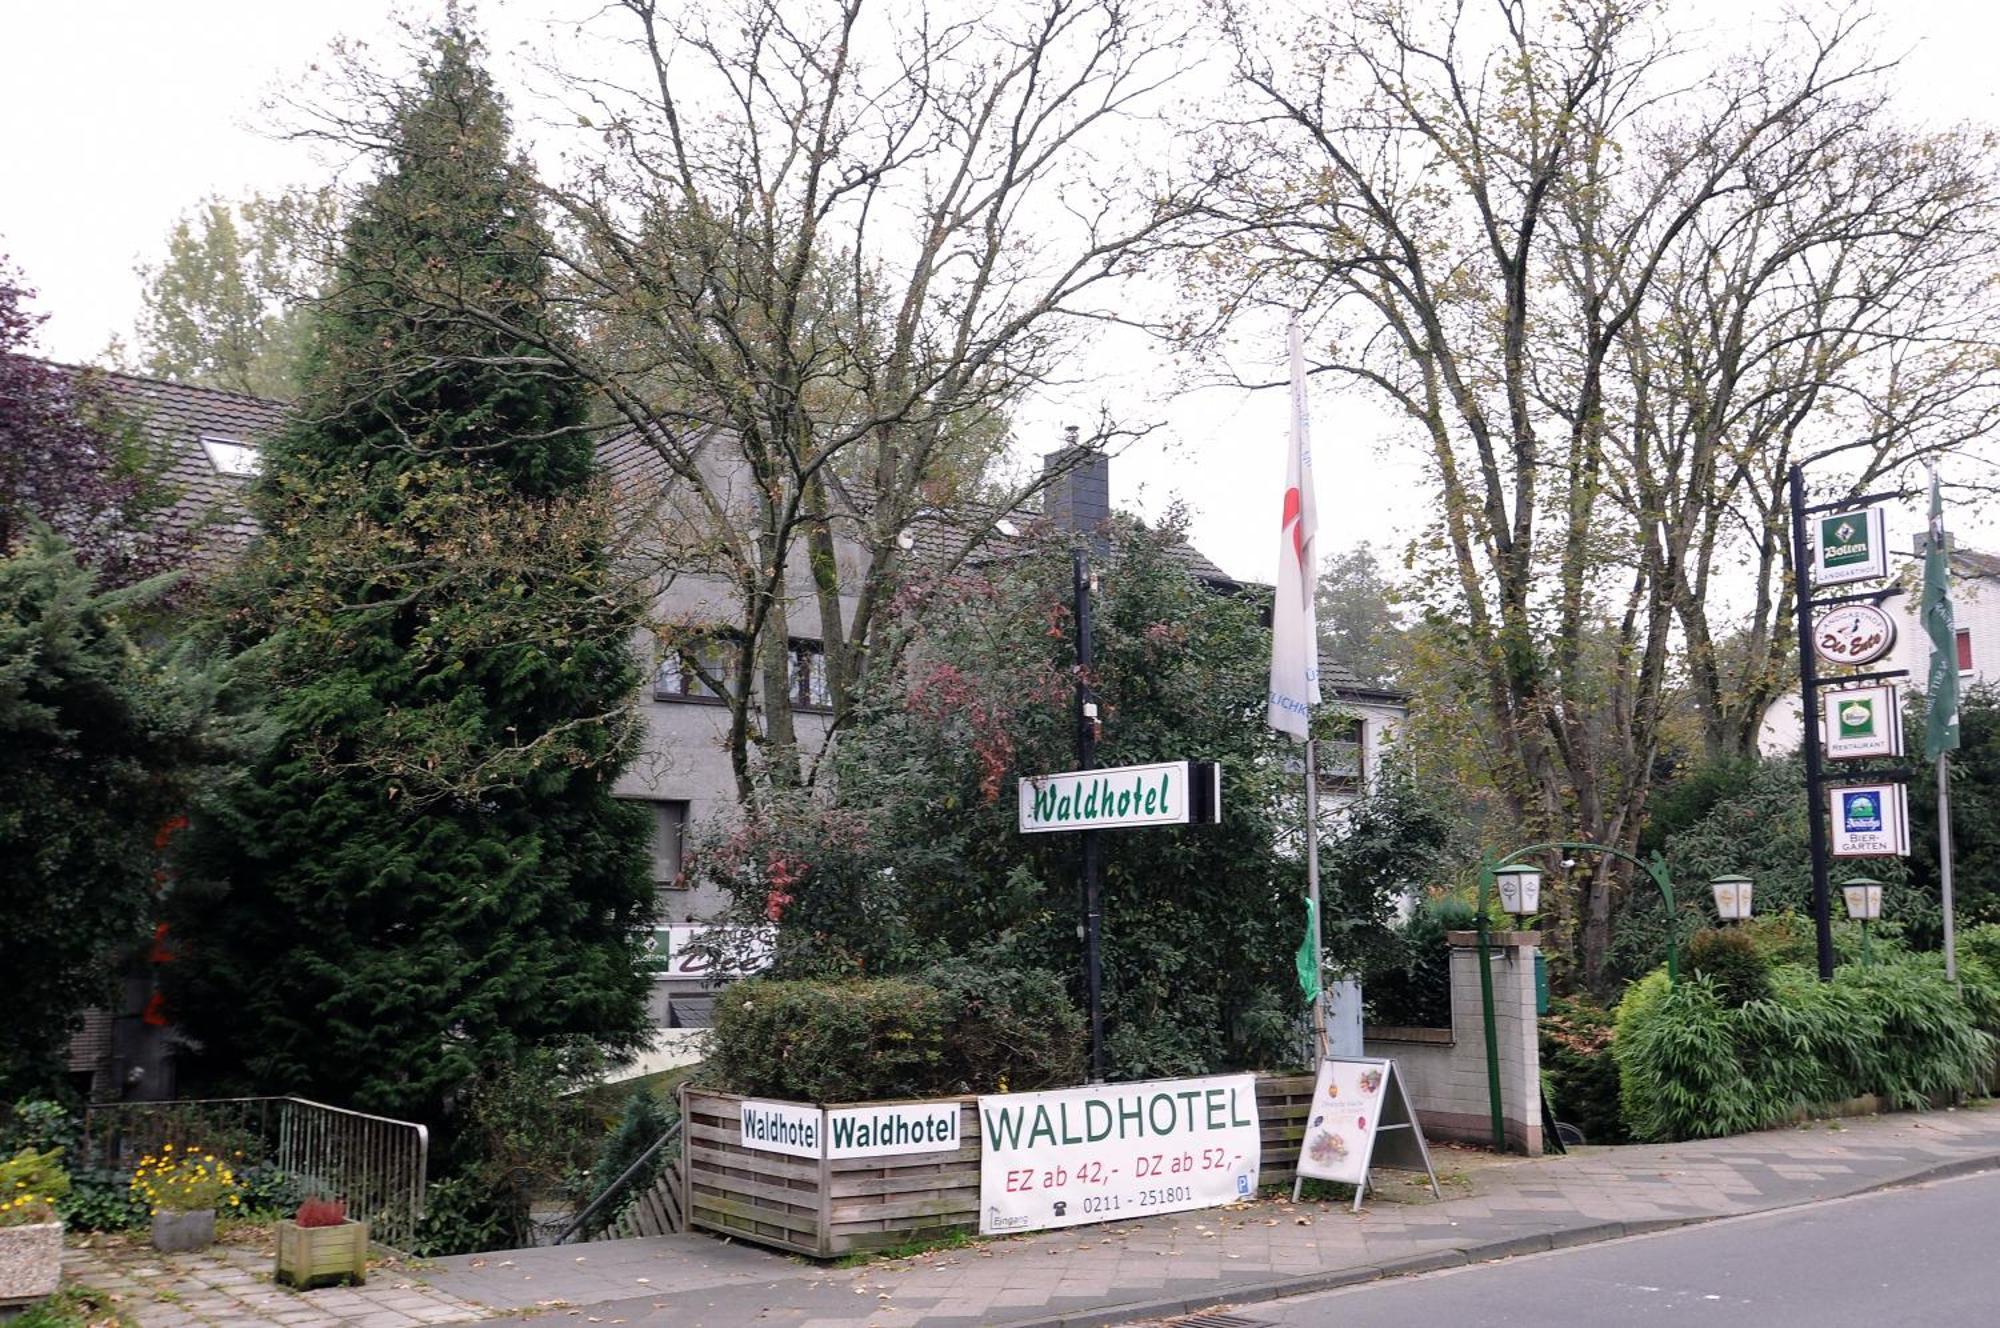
(1112, 1151)
(1168, 793)
(1862, 721)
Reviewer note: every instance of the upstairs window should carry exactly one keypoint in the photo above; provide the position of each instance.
(807, 676)
(1342, 756)
(669, 835)
(1965, 650)
(686, 671)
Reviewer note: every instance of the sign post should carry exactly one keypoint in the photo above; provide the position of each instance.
(1850, 544)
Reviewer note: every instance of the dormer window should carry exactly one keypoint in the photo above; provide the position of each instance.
(230, 456)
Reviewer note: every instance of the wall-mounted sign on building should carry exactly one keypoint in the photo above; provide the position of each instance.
(1862, 721)
(1851, 546)
(1853, 634)
(1869, 820)
(1168, 793)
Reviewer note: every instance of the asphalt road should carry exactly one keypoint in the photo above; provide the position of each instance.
(1927, 1255)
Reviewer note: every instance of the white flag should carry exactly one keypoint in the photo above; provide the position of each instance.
(1294, 623)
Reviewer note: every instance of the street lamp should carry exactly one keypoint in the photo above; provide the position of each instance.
(1520, 888)
(1732, 897)
(1864, 905)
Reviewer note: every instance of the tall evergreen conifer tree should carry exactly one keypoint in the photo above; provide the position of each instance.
(426, 876)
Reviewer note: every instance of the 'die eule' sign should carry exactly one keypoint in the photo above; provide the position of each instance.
(1166, 793)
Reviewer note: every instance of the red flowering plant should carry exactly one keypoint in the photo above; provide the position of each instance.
(320, 1211)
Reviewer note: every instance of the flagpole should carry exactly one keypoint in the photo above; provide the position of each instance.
(1944, 863)
(1312, 895)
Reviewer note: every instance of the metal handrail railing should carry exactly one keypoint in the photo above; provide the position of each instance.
(379, 1165)
(581, 1221)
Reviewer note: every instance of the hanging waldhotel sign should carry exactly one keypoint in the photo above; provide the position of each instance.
(1111, 1151)
(1167, 793)
(1851, 546)
(1853, 634)
(1869, 820)
(1862, 721)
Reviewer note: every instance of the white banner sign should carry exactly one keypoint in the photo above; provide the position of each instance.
(1869, 820)
(1112, 1151)
(783, 1127)
(1862, 721)
(892, 1127)
(672, 952)
(1106, 799)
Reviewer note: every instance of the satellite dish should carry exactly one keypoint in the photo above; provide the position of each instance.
(905, 540)
(1006, 527)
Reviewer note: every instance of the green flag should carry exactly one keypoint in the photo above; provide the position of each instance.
(1941, 723)
(1309, 955)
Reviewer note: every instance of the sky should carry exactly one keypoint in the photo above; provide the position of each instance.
(121, 114)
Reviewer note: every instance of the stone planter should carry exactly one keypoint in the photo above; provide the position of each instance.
(182, 1233)
(30, 1263)
(322, 1256)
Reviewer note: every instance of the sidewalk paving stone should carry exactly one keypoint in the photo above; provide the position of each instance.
(1120, 1273)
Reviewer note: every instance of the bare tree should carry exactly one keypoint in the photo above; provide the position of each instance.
(1614, 291)
(819, 253)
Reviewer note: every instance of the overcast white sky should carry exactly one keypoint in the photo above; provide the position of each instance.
(120, 114)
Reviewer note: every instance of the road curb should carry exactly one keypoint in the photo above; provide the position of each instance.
(1332, 1279)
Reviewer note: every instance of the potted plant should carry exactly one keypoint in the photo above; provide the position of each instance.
(322, 1246)
(30, 1232)
(183, 1188)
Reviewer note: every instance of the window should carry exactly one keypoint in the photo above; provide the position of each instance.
(669, 834)
(1965, 650)
(1342, 765)
(679, 676)
(230, 456)
(807, 676)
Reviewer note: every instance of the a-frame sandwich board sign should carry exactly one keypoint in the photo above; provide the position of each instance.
(1360, 1117)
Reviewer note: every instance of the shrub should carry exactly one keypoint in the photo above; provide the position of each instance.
(640, 1126)
(318, 1212)
(1693, 1066)
(1009, 1028)
(1579, 1069)
(951, 1029)
(1412, 988)
(1732, 962)
(846, 1041)
(102, 1200)
(31, 1186)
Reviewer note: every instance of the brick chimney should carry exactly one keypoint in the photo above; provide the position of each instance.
(1078, 498)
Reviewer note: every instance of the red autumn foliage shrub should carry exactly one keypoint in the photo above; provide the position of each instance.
(318, 1212)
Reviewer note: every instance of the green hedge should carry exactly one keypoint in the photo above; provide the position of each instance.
(1691, 1065)
(951, 1029)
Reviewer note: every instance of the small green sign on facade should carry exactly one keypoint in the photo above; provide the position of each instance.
(1851, 546)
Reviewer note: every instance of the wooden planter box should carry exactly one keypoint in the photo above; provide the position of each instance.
(322, 1256)
(30, 1263)
(825, 1208)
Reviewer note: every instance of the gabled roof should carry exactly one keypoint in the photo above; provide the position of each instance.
(175, 418)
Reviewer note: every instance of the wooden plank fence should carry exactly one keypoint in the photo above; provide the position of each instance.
(658, 1211)
(828, 1207)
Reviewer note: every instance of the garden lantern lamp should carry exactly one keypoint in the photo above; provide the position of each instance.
(1520, 888)
(1864, 905)
(1732, 897)
(1864, 898)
